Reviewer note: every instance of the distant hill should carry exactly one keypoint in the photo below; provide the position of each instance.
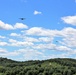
(57, 66)
(5, 60)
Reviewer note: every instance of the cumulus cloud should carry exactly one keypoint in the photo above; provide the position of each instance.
(20, 26)
(19, 43)
(53, 47)
(69, 20)
(48, 46)
(14, 34)
(67, 36)
(45, 39)
(38, 31)
(2, 37)
(30, 54)
(37, 12)
(12, 41)
(27, 53)
(37, 41)
(63, 48)
(3, 50)
(5, 26)
(30, 39)
(3, 43)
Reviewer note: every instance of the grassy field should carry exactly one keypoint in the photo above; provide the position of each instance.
(1, 73)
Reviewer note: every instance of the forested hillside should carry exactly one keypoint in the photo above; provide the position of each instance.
(58, 66)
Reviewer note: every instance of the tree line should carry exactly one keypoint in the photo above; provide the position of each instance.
(58, 66)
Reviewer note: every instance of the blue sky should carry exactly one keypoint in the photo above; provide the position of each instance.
(49, 30)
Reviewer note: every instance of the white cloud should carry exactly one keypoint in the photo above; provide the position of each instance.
(30, 39)
(12, 41)
(38, 31)
(30, 54)
(69, 20)
(2, 37)
(63, 48)
(26, 54)
(63, 55)
(20, 43)
(37, 12)
(46, 39)
(15, 34)
(20, 26)
(6, 26)
(3, 50)
(37, 41)
(9, 54)
(67, 36)
(51, 46)
(48, 46)
(3, 43)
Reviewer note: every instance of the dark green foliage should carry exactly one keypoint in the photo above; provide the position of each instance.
(63, 66)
